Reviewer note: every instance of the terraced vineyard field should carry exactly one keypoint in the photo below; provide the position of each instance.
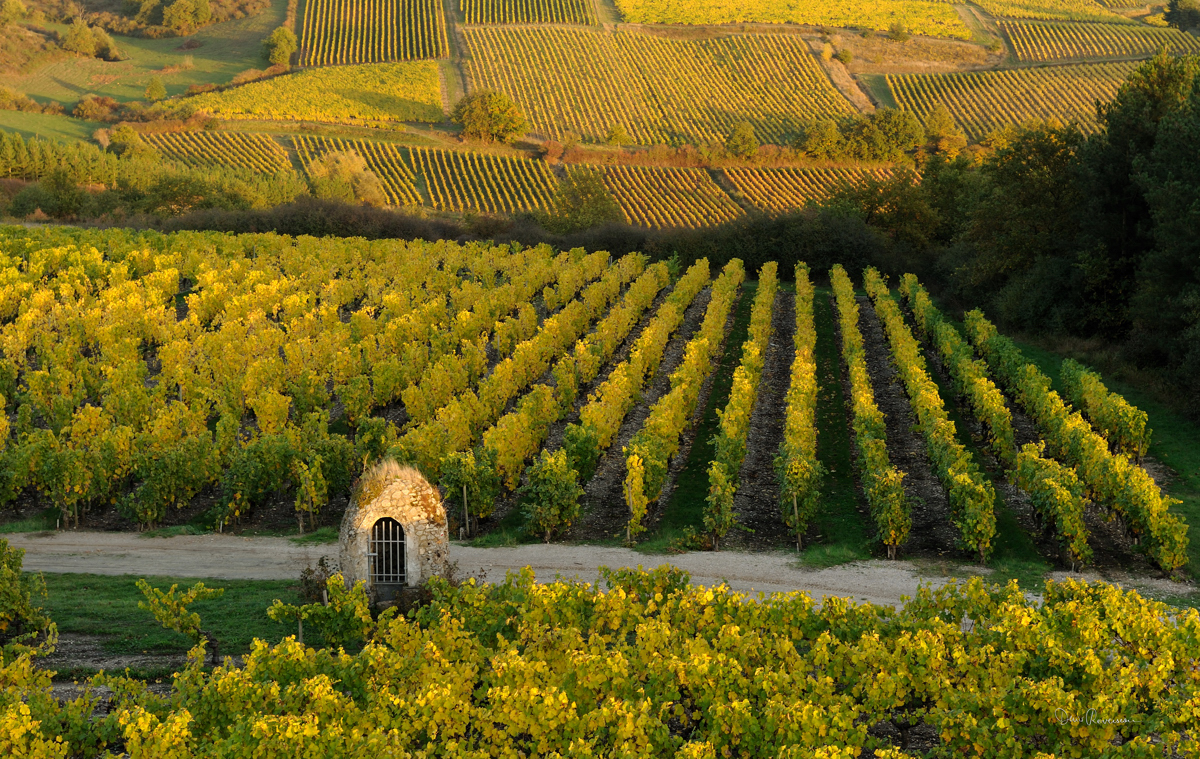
(262, 338)
(468, 181)
(658, 198)
(371, 31)
(982, 101)
(528, 11)
(936, 19)
(388, 161)
(1053, 10)
(385, 92)
(256, 152)
(660, 90)
(787, 189)
(1050, 42)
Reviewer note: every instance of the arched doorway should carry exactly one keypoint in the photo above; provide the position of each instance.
(387, 558)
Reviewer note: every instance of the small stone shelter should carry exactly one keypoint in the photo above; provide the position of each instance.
(394, 533)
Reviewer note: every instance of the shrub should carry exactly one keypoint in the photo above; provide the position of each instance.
(551, 495)
(171, 611)
(898, 33)
(344, 620)
(21, 622)
(843, 57)
(582, 201)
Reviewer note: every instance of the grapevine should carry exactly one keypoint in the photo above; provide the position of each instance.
(796, 466)
(1112, 480)
(972, 497)
(729, 444)
(882, 482)
(659, 437)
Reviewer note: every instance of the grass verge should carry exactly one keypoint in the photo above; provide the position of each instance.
(840, 533)
(107, 606)
(685, 507)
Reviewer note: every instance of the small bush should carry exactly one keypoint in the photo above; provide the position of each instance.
(844, 57)
(551, 496)
(898, 33)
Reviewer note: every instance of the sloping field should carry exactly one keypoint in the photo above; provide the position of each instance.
(982, 101)
(1034, 41)
(936, 19)
(351, 94)
(787, 189)
(256, 152)
(585, 82)
(657, 197)
(371, 31)
(528, 11)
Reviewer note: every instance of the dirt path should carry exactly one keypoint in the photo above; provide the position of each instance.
(231, 557)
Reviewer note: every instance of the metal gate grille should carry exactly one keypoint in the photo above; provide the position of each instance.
(387, 553)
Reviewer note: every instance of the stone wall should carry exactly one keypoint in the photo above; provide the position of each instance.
(400, 492)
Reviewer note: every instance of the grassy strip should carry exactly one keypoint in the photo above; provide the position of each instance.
(842, 533)
(685, 508)
(107, 606)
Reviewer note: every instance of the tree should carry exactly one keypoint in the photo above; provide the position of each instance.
(280, 46)
(344, 175)
(79, 39)
(742, 142)
(1183, 14)
(582, 201)
(180, 16)
(155, 91)
(898, 33)
(822, 139)
(551, 494)
(942, 132)
(1166, 305)
(11, 11)
(618, 136)
(489, 116)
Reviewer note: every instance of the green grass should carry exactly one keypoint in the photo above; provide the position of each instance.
(107, 606)
(225, 50)
(40, 523)
(1175, 440)
(319, 536)
(843, 533)
(685, 507)
(63, 128)
(170, 532)
(877, 87)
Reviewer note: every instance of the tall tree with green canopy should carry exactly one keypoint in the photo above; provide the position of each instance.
(489, 116)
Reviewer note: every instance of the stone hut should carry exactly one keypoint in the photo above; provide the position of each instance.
(394, 532)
